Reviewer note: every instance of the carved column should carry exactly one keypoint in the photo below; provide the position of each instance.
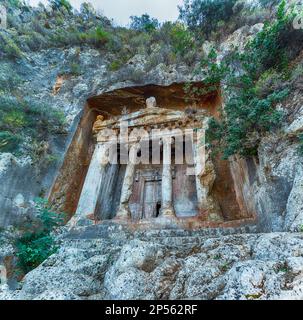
(167, 208)
(127, 186)
(199, 162)
(91, 188)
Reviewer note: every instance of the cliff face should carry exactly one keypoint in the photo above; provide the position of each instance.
(113, 262)
(67, 93)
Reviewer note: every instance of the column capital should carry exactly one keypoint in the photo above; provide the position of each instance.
(167, 140)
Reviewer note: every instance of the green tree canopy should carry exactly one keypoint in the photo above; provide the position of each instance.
(144, 23)
(204, 15)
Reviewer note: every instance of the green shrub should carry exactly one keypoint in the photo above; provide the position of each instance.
(99, 37)
(203, 15)
(248, 113)
(36, 243)
(27, 119)
(115, 65)
(8, 141)
(139, 42)
(13, 3)
(268, 82)
(9, 47)
(75, 69)
(33, 41)
(154, 60)
(59, 4)
(14, 120)
(182, 40)
(144, 23)
(9, 80)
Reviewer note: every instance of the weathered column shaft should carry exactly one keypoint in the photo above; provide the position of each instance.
(127, 186)
(91, 188)
(167, 180)
(199, 161)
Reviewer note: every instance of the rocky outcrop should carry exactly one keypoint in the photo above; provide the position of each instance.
(110, 262)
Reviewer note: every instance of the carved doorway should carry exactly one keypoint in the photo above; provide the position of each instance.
(145, 202)
(151, 199)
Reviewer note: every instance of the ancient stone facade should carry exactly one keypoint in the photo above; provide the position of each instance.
(151, 165)
(155, 185)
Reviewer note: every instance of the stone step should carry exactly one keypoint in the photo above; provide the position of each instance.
(207, 232)
(177, 241)
(118, 233)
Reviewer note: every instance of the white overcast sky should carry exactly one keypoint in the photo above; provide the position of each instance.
(121, 10)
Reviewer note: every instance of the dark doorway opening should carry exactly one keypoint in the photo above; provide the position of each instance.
(158, 209)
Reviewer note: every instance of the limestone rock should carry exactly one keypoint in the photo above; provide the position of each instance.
(119, 266)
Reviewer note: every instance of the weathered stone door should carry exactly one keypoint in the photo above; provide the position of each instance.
(146, 197)
(151, 199)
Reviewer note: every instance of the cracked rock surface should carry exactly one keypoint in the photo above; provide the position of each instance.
(115, 263)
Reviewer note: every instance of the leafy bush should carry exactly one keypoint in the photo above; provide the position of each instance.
(14, 119)
(182, 40)
(115, 65)
(269, 81)
(248, 113)
(75, 69)
(27, 119)
(9, 80)
(140, 42)
(144, 23)
(99, 37)
(9, 47)
(59, 4)
(203, 15)
(36, 243)
(8, 141)
(13, 3)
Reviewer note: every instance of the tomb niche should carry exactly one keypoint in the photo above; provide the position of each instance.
(156, 185)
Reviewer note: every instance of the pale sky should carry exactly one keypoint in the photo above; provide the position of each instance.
(121, 10)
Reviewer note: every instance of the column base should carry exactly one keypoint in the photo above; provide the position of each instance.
(168, 212)
(79, 221)
(123, 213)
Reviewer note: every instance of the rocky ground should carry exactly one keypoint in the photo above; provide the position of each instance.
(111, 262)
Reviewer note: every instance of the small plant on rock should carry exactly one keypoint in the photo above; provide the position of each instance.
(37, 243)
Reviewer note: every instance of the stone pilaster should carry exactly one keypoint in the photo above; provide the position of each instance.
(127, 186)
(167, 208)
(91, 188)
(199, 162)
